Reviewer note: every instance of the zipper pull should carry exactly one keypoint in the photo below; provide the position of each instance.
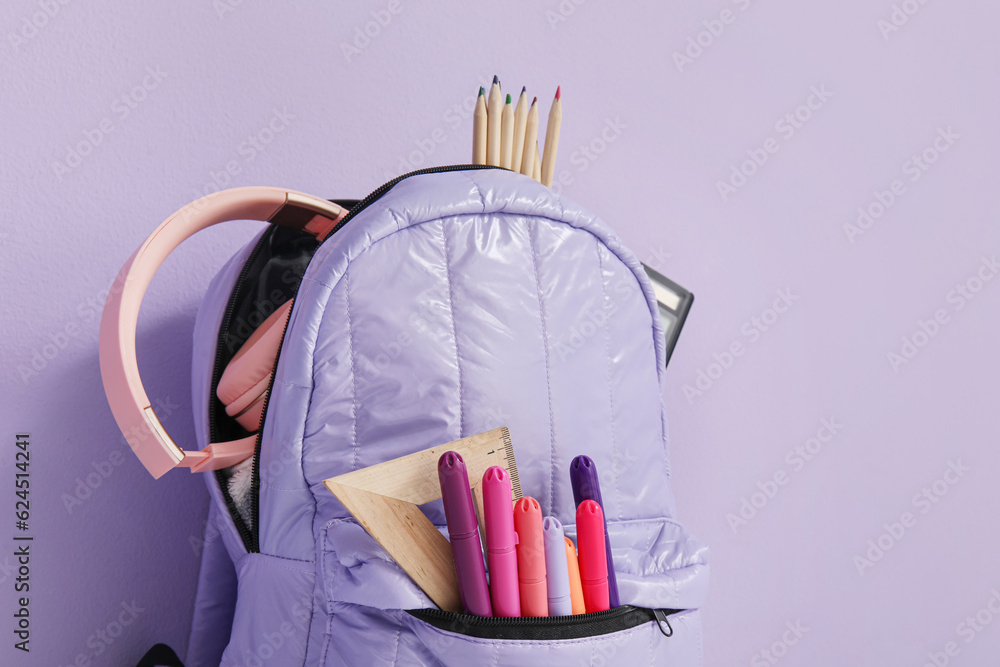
(661, 619)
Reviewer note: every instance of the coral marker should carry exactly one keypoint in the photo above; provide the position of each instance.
(530, 557)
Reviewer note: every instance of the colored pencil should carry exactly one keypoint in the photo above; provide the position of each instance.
(494, 114)
(530, 140)
(479, 129)
(552, 140)
(520, 123)
(506, 133)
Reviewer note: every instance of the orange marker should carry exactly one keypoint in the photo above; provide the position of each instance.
(575, 587)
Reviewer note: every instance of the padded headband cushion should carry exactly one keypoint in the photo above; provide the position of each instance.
(247, 376)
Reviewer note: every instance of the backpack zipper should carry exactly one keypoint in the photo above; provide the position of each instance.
(249, 534)
(546, 627)
(213, 431)
(385, 187)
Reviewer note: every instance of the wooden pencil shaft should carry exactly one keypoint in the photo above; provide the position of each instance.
(551, 142)
(494, 114)
(479, 130)
(506, 134)
(520, 124)
(530, 141)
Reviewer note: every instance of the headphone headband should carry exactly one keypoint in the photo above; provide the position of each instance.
(119, 366)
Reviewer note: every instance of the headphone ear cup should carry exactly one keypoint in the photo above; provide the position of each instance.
(244, 382)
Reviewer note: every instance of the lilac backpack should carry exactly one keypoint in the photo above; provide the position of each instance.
(449, 302)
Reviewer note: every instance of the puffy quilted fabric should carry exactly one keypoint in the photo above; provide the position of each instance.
(457, 302)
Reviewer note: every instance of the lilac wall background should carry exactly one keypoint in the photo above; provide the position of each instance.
(672, 133)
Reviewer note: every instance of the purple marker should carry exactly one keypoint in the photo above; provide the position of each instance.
(463, 532)
(583, 476)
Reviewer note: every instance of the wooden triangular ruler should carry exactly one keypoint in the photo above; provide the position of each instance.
(384, 498)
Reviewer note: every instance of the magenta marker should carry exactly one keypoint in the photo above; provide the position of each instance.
(463, 532)
(500, 542)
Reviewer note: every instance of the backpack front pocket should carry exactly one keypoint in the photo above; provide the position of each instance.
(625, 635)
(662, 576)
(529, 641)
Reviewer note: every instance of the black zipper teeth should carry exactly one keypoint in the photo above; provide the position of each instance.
(241, 527)
(253, 543)
(255, 483)
(546, 628)
(535, 621)
(385, 187)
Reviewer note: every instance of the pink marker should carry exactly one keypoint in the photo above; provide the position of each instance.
(500, 542)
(593, 558)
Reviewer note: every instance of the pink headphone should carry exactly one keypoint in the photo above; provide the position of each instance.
(244, 383)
